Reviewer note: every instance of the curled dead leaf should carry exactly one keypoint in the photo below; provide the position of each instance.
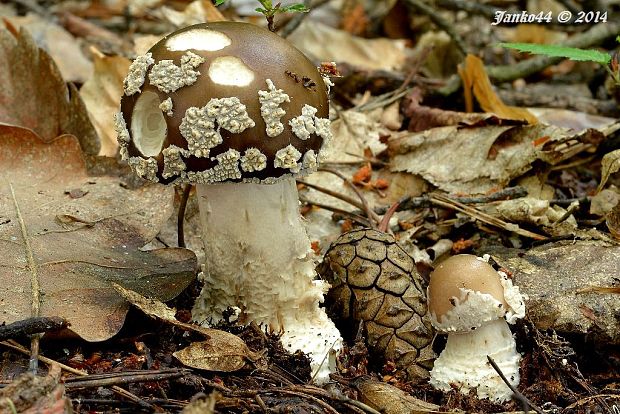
(102, 93)
(610, 164)
(218, 353)
(476, 80)
(221, 351)
(389, 399)
(34, 95)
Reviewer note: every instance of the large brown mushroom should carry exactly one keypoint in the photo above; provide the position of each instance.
(240, 112)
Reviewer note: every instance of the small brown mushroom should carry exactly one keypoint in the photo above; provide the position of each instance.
(472, 303)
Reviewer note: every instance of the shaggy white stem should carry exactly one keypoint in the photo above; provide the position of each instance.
(258, 258)
(464, 362)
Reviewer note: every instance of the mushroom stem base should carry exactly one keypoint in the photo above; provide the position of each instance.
(464, 362)
(259, 259)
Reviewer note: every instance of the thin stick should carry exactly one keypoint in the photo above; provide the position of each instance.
(385, 221)
(328, 408)
(355, 217)
(35, 288)
(442, 23)
(118, 390)
(517, 395)
(524, 68)
(334, 194)
(31, 326)
(124, 378)
(444, 201)
(373, 218)
(508, 193)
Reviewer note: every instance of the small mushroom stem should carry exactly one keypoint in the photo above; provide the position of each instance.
(464, 361)
(259, 259)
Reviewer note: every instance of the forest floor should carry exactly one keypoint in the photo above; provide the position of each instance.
(442, 138)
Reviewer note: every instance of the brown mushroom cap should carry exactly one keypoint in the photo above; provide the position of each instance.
(461, 271)
(262, 55)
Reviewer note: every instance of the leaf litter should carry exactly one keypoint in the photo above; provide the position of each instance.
(465, 181)
(78, 246)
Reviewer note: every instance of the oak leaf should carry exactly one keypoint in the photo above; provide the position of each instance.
(69, 249)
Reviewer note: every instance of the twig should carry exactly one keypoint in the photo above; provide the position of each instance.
(33, 6)
(384, 99)
(517, 395)
(106, 380)
(303, 394)
(373, 218)
(570, 6)
(503, 194)
(355, 217)
(31, 326)
(439, 21)
(339, 396)
(118, 390)
(471, 7)
(574, 206)
(181, 215)
(385, 221)
(524, 68)
(508, 193)
(443, 201)
(35, 288)
(334, 194)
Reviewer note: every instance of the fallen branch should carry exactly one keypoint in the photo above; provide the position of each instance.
(32, 326)
(507, 73)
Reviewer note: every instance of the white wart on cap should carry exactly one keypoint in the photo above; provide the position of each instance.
(223, 102)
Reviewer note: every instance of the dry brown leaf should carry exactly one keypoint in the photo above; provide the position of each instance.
(355, 19)
(323, 43)
(221, 351)
(198, 11)
(476, 79)
(354, 132)
(535, 33)
(75, 247)
(34, 95)
(613, 222)
(215, 354)
(30, 394)
(604, 202)
(475, 160)
(60, 44)
(425, 117)
(610, 164)
(142, 43)
(102, 94)
(389, 399)
(575, 120)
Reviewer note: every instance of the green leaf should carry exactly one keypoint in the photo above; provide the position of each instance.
(267, 4)
(262, 11)
(572, 53)
(295, 8)
(618, 39)
(218, 2)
